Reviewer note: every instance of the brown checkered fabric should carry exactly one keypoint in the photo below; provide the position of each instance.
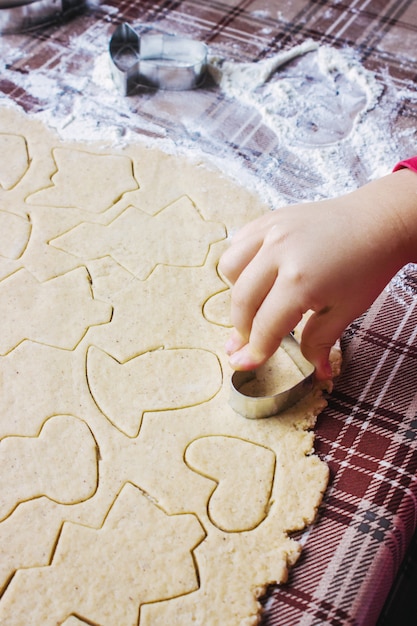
(368, 434)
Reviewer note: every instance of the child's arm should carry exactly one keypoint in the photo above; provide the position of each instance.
(332, 257)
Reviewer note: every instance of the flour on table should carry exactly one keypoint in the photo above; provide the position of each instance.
(315, 104)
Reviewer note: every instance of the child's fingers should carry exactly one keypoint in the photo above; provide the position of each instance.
(235, 342)
(276, 317)
(249, 292)
(321, 332)
(237, 257)
(244, 246)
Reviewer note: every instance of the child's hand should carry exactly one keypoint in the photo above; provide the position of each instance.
(332, 257)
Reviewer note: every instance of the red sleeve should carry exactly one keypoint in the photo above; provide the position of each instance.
(411, 164)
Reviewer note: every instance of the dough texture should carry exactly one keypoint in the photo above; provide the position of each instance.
(131, 492)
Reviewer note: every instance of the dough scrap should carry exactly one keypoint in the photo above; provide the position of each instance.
(141, 497)
(52, 380)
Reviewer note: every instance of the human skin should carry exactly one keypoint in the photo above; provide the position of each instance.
(331, 257)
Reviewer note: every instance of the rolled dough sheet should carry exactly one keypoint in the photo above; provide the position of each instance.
(131, 492)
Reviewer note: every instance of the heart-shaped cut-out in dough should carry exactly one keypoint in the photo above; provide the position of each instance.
(244, 473)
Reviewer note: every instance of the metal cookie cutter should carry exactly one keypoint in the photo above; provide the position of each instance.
(21, 15)
(266, 406)
(160, 61)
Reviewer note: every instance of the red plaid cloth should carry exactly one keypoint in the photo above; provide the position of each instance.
(368, 433)
(368, 436)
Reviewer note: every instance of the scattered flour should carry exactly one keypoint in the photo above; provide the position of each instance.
(238, 79)
(331, 119)
(326, 109)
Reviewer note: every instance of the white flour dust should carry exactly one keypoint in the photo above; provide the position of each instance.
(325, 108)
(239, 79)
(330, 119)
(317, 102)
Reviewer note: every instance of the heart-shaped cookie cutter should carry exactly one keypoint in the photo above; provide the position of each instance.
(158, 61)
(255, 407)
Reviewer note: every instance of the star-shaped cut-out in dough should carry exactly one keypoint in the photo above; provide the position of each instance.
(89, 181)
(177, 235)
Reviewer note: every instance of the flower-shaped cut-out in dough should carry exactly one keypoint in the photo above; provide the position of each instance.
(139, 241)
(244, 472)
(84, 180)
(14, 160)
(154, 381)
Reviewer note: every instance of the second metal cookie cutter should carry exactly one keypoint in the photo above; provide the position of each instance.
(159, 61)
(265, 406)
(21, 15)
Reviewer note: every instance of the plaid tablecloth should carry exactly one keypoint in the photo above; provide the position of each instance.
(368, 433)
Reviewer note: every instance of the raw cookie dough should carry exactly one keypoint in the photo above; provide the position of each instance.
(131, 492)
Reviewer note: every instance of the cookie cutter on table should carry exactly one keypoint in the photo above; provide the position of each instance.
(159, 61)
(21, 15)
(255, 407)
